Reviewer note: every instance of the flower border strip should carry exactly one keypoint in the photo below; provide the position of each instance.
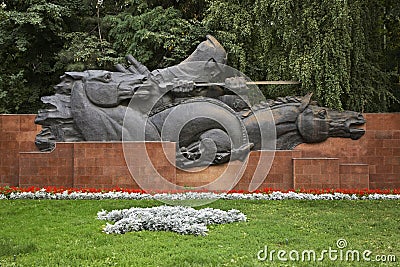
(6, 190)
(129, 194)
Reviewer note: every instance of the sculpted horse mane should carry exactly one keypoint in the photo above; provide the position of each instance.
(188, 104)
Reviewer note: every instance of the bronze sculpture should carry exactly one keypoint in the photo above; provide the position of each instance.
(201, 104)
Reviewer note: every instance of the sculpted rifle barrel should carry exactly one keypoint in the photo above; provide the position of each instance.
(255, 82)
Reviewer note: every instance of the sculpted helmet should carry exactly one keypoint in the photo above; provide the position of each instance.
(208, 50)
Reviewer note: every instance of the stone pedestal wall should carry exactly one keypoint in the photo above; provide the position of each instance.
(17, 134)
(372, 162)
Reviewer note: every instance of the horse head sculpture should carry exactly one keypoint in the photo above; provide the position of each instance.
(316, 124)
(298, 120)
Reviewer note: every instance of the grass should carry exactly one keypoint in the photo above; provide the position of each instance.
(67, 233)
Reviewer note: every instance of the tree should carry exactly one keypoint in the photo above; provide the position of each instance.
(53, 36)
(84, 44)
(345, 51)
(372, 84)
(333, 47)
(26, 29)
(156, 36)
(39, 40)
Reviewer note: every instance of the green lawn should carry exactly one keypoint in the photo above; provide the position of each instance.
(67, 233)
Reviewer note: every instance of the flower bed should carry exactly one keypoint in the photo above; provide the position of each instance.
(183, 220)
(266, 194)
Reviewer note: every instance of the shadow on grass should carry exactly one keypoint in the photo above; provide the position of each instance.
(10, 248)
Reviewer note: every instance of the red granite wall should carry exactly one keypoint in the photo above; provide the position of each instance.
(371, 162)
(379, 149)
(311, 173)
(47, 168)
(280, 175)
(17, 133)
(354, 175)
(92, 165)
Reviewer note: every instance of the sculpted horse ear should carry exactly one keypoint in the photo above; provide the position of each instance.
(305, 102)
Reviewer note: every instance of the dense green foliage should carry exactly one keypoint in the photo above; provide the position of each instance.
(347, 52)
(67, 233)
(159, 37)
(336, 48)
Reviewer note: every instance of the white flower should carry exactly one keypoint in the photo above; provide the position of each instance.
(276, 195)
(183, 220)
